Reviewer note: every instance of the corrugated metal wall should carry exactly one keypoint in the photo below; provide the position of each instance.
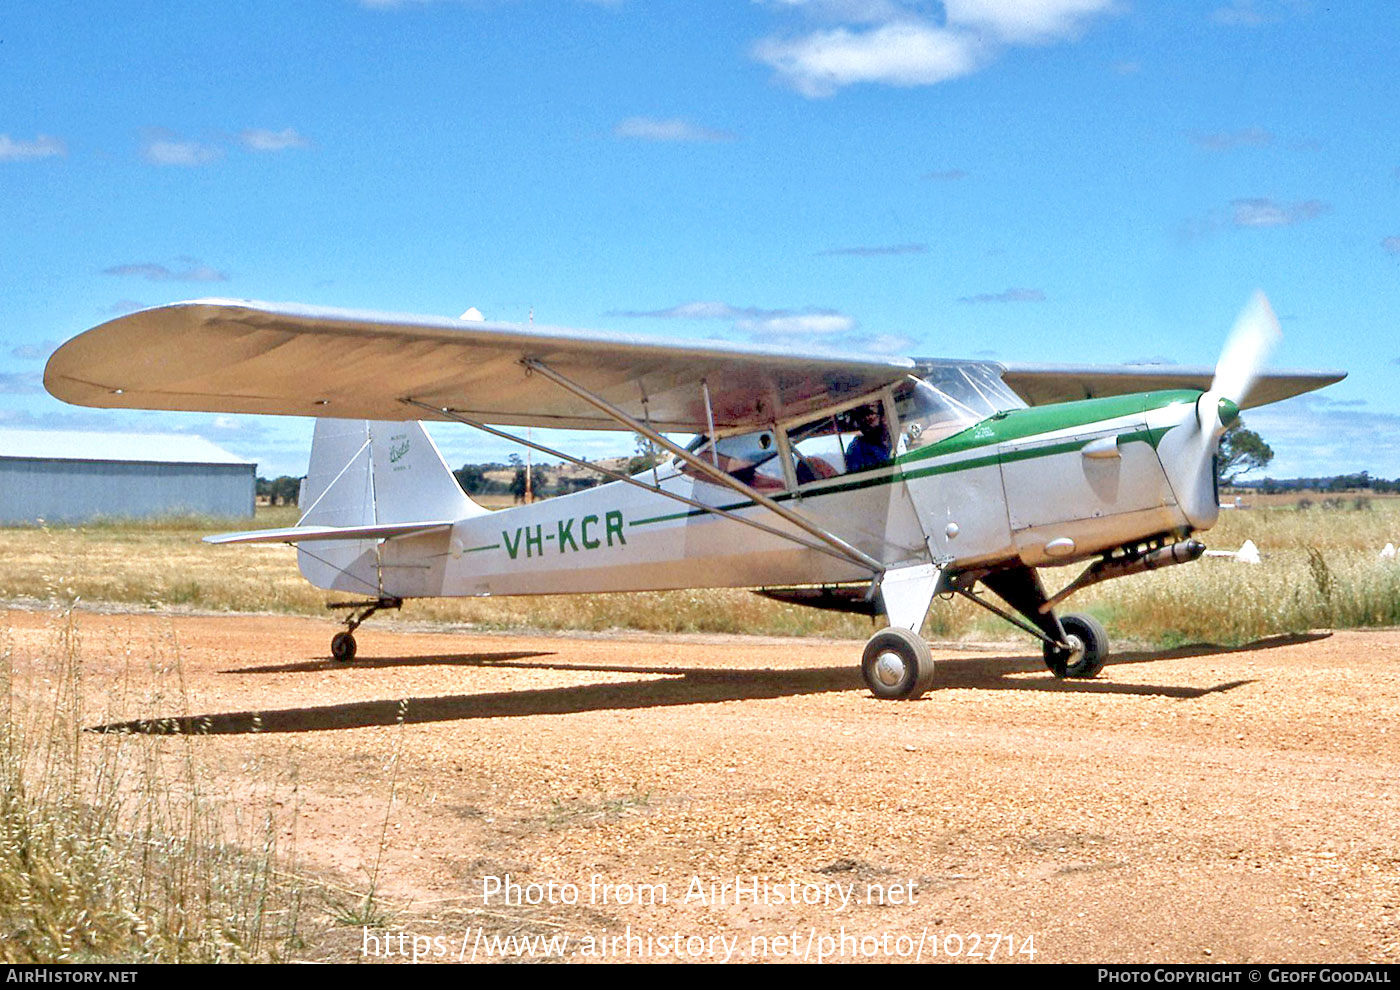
(71, 491)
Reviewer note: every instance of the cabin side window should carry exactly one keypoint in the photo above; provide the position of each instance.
(750, 458)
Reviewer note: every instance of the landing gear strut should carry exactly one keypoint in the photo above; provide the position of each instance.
(343, 643)
(1074, 645)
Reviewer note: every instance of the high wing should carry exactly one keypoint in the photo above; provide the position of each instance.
(1040, 384)
(215, 355)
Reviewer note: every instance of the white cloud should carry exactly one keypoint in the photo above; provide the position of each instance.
(1025, 21)
(810, 328)
(1009, 296)
(194, 270)
(1240, 13)
(903, 43)
(399, 4)
(255, 139)
(803, 325)
(1250, 137)
(1255, 213)
(33, 352)
(876, 252)
(1315, 435)
(21, 383)
(1255, 13)
(888, 343)
(1391, 244)
(160, 148)
(1268, 213)
(810, 319)
(689, 311)
(901, 54)
(847, 11)
(668, 129)
(1155, 361)
(778, 326)
(42, 146)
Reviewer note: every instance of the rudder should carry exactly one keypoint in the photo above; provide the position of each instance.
(364, 473)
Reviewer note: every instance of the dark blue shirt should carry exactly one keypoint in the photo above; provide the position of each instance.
(863, 454)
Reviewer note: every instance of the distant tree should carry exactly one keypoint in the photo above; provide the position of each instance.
(644, 458)
(576, 484)
(472, 478)
(1241, 451)
(280, 491)
(517, 483)
(288, 489)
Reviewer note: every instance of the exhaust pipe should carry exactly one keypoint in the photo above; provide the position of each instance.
(1108, 567)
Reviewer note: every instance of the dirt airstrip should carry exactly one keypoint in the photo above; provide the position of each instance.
(1194, 805)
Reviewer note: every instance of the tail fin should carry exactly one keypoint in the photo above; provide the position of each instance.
(366, 474)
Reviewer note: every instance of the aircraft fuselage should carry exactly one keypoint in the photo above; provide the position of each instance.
(1042, 486)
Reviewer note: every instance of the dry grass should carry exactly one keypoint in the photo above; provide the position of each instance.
(1321, 570)
(163, 562)
(118, 848)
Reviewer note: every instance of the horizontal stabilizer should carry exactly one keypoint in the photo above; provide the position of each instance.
(300, 534)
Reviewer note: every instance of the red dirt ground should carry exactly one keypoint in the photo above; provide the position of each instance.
(1193, 805)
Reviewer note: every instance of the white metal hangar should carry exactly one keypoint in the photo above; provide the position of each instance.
(64, 476)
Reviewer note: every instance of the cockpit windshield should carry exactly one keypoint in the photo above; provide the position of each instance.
(948, 399)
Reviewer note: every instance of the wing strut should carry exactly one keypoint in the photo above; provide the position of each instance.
(713, 472)
(618, 476)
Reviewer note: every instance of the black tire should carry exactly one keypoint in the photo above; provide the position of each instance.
(1086, 661)
(343, 647)
(897, 664)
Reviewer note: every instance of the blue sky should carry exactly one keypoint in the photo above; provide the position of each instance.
(1032, 180)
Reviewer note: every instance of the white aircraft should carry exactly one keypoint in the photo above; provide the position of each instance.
(862, 484)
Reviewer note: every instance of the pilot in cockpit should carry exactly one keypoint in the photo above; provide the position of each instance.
(871, 447)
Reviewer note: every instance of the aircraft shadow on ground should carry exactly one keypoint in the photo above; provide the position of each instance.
(670, 686)
(436, 660)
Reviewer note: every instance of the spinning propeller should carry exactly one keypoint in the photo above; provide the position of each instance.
(1253, 337)
(1247, 349)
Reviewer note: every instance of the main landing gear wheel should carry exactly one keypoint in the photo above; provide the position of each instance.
(1088, 648)
(343, 647)
(897, 664)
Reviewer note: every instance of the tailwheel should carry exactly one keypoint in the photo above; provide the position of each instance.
(897, 664)
(342, 647)
(343, 643)
(1088, 648)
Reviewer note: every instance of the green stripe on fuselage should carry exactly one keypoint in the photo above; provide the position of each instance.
(1017, 424)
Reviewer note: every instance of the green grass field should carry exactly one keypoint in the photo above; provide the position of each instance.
(1321, 569)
